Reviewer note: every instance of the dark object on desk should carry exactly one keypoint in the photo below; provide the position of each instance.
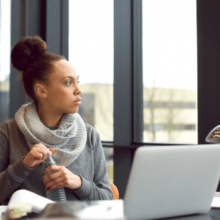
(214, 135)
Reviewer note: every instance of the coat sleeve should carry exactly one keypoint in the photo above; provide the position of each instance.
(11, 176)
(99, 188)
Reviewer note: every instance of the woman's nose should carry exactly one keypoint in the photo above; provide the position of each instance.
(78, 90)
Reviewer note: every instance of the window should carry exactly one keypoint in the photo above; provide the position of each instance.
(170, 71)
(4, 59)
(91, 52)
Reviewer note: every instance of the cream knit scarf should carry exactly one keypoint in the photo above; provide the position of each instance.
(69, 139)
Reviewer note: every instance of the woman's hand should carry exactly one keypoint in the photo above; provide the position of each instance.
(61, 178)
(37, 155)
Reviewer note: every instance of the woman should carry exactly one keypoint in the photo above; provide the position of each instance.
(49, 125)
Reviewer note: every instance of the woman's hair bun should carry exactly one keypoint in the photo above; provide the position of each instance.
(26, 50)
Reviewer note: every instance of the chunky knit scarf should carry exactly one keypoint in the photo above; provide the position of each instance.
(69, 139)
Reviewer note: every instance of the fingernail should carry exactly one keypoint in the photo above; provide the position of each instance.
(43, 173)
(48, 188)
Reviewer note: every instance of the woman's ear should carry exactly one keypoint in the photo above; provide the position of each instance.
(40, 90)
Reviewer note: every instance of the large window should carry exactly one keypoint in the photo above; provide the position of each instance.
(170, 71)
(5, 8)
(91, 52)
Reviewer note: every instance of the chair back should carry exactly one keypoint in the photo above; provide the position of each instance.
(115, 191)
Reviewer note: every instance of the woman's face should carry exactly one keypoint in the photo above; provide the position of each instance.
(63, 93)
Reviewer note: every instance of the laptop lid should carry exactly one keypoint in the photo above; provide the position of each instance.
(172, 181)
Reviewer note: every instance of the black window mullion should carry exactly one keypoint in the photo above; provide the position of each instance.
(53, 25)
(65, 29)
(123, 75)
(208, 35)
(122, 72)
(137, 72)
(15, 97)
(57, 13)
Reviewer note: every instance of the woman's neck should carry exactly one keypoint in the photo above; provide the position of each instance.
(49, 118)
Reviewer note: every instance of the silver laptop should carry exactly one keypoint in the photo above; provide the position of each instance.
(172, 181)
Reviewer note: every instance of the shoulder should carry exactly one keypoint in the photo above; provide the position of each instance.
(9, 128)
(90, 129)
(92, 135)
(6, 128)
(7, 124)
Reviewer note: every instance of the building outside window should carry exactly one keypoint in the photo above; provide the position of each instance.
(91, 49)
(170, 71)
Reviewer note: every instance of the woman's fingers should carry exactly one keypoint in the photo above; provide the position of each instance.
(53, 177)
(62, 178)
(56, 184)
(53, 168)
(44, 151)
(37, 155)
(44, 154)
(54, 180)
(53, 151)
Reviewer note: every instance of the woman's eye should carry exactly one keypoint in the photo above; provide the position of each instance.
(68, 83)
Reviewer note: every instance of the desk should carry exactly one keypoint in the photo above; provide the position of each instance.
(213, 214)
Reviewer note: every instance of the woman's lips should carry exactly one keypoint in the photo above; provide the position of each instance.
(77, 102)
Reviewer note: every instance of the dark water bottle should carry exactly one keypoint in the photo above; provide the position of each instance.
(57, 195)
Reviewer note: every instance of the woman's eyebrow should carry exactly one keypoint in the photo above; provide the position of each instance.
(70, 77)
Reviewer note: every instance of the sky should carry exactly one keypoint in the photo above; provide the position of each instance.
(169, 42)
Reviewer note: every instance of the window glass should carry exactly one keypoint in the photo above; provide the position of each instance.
(5, 37)
(170, 71)
(91, 52)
